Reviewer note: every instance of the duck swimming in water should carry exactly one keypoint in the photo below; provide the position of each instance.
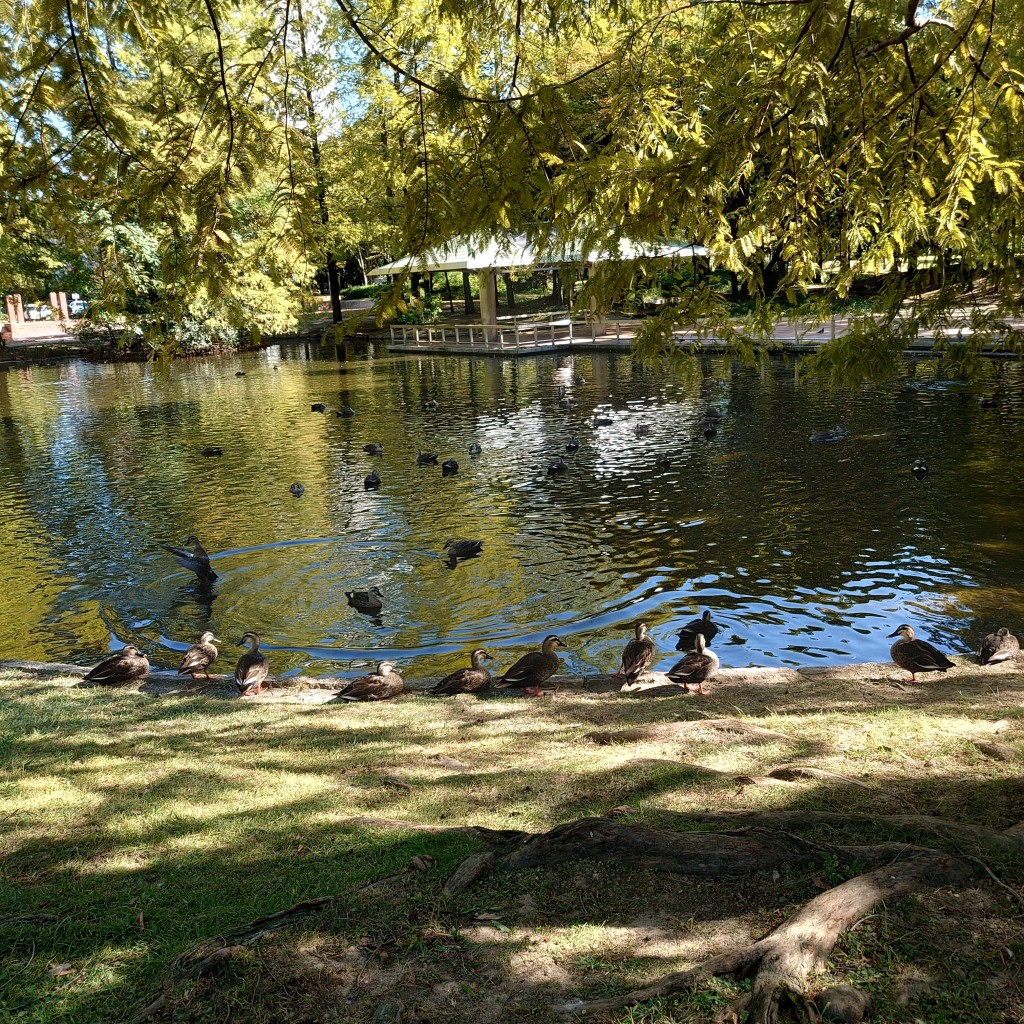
(463, 548)
(196, 559)
(915, 655)
(449, 467)
(374, 449)
(465, 680)
(129, 665)
(426, 459)
(688, 634)
(837, 433)
(365, 600)
(371, 482)
(298, 490)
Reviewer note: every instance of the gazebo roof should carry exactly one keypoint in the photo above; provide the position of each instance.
(514, 252)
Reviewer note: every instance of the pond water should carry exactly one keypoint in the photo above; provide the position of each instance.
(807, 553)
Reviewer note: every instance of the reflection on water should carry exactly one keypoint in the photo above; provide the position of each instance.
(807, 553)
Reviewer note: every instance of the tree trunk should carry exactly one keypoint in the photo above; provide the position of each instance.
(319, 180)
(510, 291)
(556, 285)
(467, 293)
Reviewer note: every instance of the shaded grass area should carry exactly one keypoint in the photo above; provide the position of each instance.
(133, 827)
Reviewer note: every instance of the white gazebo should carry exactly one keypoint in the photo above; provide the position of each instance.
(487, 257)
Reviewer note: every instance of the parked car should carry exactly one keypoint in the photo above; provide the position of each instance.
(38, 311)
(77, 308)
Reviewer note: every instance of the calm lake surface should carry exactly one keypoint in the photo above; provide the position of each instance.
(807, 553)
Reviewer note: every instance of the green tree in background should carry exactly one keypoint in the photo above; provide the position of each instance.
(813, 146)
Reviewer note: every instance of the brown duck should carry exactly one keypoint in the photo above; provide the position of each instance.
(193, 556)
(200, 656)
(252, 669)
(129, 665)
(916, 655)
(465, 680)
(688, 634)
(638, 655)
(383, 684)
(699, 666)
(998, 646)
(534, 668)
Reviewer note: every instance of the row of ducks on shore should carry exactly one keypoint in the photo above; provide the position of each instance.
(530, 672)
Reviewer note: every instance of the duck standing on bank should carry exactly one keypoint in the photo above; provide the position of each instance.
(465, 680)
(998, 646)
(200, 656)
(915, 655)
(637, 656)
(252, 669)
(699, 666)
(382, 684)
(192, 556)
(533, 669)
(129, 665)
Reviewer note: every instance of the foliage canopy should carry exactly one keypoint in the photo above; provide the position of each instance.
(809, 144)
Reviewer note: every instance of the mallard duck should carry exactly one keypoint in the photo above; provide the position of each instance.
(837, 433)
(642, 429)
(383, 684)
(196, 559)
(211, 451)
(699, 666)
(475, 449)
(688, 634)
(711, 415)
(240, 373)
(563, 399)
(463, 548)
(572, 445)
(998, 646)
(465, 680)
(919, 469)
(916, 655)
(318, 407)
(534, 668)
(426, 459)
(374, 449)
(556, 467)
(200, 656)
(365, 600)
(371, 482)
(637, 656)
(603, 421)
(449, 467)
(663, 462)
(127, 666)
(252, 669)
(430, 405)
(298, 490)
(710, 431)
(579, 379)
(346, 412)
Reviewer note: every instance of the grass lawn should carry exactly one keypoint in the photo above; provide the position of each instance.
(132, 827)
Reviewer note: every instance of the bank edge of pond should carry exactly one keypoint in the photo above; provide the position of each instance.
(878, 683)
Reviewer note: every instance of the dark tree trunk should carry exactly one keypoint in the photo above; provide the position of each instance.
(510, 291)
(467, 293)
(556, 285)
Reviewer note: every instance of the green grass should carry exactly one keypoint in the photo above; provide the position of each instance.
(142, 825)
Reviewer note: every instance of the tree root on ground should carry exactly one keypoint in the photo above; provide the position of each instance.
(781, 962)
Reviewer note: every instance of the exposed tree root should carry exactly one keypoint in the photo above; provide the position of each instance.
(1010, 842)
(781, 962)
(740, 852)
(677, 730)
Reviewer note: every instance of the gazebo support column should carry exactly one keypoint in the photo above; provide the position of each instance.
(488, 301)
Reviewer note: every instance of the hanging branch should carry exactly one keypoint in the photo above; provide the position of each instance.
(224, 88)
